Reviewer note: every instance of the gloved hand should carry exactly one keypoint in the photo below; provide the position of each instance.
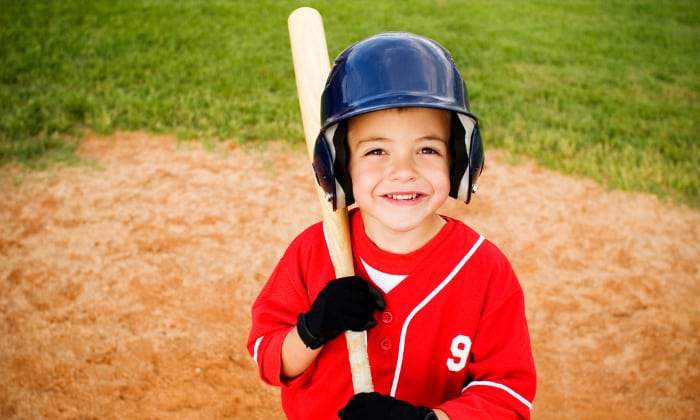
(375, 406)
(347, 303)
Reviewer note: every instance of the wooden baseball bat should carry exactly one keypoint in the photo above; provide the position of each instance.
(311, 68)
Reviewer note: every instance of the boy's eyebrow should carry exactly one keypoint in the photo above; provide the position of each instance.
(368, 139)
(427, 137)
(434, 137)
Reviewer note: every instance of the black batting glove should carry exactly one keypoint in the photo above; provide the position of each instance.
(375, 406)
(347, 303)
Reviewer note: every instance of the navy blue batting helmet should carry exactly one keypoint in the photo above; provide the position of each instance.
(394, 70)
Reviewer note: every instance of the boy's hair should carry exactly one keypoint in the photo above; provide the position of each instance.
(395, 70)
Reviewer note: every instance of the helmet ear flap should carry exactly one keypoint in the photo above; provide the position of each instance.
(323, 168)
(330, 165)
(341, 162)
(467, 157)
(459, 162)
(476, 160)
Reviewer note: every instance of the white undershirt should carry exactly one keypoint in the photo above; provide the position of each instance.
(385, 281)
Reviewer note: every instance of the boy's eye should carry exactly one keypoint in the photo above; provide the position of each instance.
(374, 152)
(429, 151)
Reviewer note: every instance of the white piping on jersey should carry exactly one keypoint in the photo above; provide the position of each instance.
(255, 351)
(421, 305)
(517, 396)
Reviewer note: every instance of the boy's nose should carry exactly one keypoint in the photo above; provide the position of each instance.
(402, 169)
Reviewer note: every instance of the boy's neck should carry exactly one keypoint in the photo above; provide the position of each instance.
(397, 242)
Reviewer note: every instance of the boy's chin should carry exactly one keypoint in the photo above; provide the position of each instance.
(400, 222)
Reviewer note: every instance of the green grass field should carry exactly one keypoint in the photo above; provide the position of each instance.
(605, 89)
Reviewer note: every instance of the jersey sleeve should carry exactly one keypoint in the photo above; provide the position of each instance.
(272, 321)
(501, 379)
(284, 295)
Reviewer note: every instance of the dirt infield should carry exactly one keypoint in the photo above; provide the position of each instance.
(125, 286)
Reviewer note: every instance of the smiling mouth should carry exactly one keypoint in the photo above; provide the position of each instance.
(403, 197)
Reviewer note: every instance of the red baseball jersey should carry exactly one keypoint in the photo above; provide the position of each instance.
(453, 334)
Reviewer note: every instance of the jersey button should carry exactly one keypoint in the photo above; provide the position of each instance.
(385, 344)
(387, 317)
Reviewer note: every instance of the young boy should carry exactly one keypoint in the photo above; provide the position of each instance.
(442, 308)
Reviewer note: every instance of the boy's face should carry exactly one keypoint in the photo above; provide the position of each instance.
(399, 169)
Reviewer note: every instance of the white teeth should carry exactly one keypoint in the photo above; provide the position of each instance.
(403, 196)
